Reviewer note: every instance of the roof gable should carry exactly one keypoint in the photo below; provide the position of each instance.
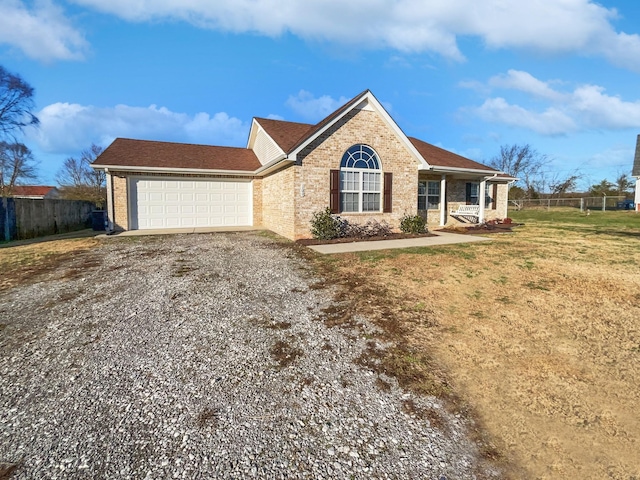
(285, 134)
(146, 154)
(365, 100)
(636, 160)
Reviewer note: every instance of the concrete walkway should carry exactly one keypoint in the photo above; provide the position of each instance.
(440, 238)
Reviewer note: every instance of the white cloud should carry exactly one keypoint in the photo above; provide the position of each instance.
(550, 122)
(549, 26)
(525, 82)
(41, 32)
(600, 110)
(314, 109)
(68, 128)
(586, 107)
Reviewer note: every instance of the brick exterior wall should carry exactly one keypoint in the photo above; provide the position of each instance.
(502, 202)
(278, 202)
(257, 202)
(311, 186)
(120, 203)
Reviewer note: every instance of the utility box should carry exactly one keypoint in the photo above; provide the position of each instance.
(625, 205)
(98, 220)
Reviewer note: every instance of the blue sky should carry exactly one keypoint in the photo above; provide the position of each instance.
(469, 76)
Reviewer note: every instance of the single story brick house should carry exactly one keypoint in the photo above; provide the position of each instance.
(357, 161)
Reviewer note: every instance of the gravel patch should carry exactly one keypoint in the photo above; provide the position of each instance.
(203, 356)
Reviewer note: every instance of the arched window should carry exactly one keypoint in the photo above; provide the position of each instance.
(360, 176)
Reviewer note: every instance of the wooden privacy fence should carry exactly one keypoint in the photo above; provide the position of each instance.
(22, 218)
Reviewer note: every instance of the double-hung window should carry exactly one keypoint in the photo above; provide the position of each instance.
(360, 180)
(473, 192)
(428, 195)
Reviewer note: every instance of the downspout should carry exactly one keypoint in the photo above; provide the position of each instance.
(110, 206)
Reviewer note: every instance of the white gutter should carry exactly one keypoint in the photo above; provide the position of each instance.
(463, 170)
(279, 162)
(239, 173)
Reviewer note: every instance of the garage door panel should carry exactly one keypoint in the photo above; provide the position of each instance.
(161, 203)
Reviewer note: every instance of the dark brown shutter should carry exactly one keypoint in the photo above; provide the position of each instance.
(468, 193)
(334, 191)
(387, 194)
(494, 197)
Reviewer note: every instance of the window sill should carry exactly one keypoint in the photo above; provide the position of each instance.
(360, 213)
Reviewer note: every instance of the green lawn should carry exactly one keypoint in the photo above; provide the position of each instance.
(623, 221)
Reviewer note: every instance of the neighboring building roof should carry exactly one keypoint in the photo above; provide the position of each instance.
(31, 190)
(125, 152)
(636, 160)
(285, 134)
(439, 157)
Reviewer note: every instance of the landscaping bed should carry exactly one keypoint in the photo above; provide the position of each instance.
(393, 236)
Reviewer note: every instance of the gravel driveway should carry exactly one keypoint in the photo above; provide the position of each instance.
(201, 356)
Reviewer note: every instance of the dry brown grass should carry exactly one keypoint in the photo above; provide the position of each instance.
(536, 334)
(22, 263)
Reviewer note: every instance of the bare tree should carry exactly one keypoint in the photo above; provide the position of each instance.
(560, 186)
(78, 181)
(523, 162)
(16, 104)
(16, 166)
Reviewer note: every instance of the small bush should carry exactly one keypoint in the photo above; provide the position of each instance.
(413, 224)
(325, 226)
(372, 228)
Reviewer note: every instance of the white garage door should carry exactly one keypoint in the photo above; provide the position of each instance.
(178, 203)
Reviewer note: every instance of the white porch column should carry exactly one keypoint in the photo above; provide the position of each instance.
(481, 195)
(443, 201)
(637, 194)
(110, 214)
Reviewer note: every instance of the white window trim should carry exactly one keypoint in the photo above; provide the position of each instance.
(361, 191)
(360, 182)
(426, 195)
(487, 197)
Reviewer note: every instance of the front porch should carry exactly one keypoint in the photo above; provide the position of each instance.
(444, 199)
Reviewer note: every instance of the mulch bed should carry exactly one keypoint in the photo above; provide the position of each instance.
(393, 236)
(484, 228)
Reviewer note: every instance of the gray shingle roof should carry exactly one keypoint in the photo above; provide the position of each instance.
(636, 160)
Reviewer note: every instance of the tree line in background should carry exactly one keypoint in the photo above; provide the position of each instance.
(76, 178)
(535, 181)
